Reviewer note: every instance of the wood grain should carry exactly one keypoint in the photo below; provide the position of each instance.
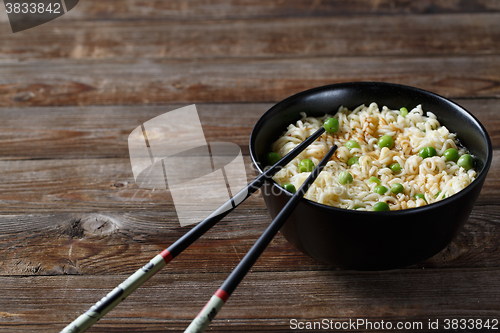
(73, 224)
(102, 131)
(120, 243)
(195, 10)
(169, 301)
(107, 184)
(108, 82)
(259, 38)
(69, 241)
(247, 9)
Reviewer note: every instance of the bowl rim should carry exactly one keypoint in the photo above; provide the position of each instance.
(436, 205)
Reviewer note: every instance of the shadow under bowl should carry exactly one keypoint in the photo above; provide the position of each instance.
(371, 240)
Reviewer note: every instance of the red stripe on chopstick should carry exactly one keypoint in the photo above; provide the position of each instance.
(167, 256)
(219, 293)
(222, 295)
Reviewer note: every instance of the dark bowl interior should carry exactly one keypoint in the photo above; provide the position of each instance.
(372, 240)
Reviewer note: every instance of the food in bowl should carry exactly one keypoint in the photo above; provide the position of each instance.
(365, 240)
(386, 160)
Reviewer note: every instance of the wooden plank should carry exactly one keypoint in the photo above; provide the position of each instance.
(121, 242)
(102, 131)
(245, 9)
(107, 184)
(73, 224)
(76, 185)
(486, 112)
(222, 9)
(312, 37)
(108, 82)
(169, 301)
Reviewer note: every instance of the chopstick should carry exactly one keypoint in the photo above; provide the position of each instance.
(207, 314)
(108, 302)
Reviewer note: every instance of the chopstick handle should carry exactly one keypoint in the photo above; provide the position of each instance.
(108, 302)
(203, 319)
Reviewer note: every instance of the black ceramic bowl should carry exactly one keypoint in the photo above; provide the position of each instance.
(371, 240)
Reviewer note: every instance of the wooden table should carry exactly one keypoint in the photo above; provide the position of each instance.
(73, 224)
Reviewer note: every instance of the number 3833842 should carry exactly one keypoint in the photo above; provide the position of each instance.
(33, 8)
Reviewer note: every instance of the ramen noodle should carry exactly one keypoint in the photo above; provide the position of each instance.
(410, 180)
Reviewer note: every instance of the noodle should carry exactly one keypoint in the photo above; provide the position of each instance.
(434, 177)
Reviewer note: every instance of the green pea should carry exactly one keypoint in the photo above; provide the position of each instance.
(397, 188)
(380, 189)
(353, 160)
(331, 125)
(431, 151)
(273, 158)
(345, 178)
(427, 152)
(403, 111)
(420, 196)
(306, 165)
(451, 154)
(289, 187)
(466, 161)
(358, 207)
(395, 167)
(374, 180)
(381, 207)
(386, 141)
(352, 144)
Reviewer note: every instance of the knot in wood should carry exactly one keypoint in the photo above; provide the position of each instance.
(99, 225)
